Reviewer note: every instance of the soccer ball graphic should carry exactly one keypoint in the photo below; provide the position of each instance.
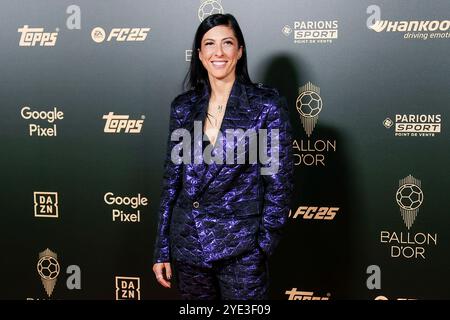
(287, 30)
(409, 196)
(48, 268)
(309, 104)
(208, 8)
(388, 123)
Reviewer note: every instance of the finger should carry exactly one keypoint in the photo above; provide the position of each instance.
(168, 270)
(157, 269)
(163, 281)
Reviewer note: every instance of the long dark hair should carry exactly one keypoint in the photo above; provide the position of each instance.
(197, 76)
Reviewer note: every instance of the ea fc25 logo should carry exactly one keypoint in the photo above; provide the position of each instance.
(314, 213)
(128, 288)
(98, 34)
(209, 7)
(48, 269)
(46, 204)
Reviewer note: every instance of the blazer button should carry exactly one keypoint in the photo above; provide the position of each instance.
(195, 204)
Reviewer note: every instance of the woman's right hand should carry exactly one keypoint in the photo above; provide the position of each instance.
(158, 269)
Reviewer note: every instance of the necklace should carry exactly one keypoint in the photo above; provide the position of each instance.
(219, 108)
(219, 111)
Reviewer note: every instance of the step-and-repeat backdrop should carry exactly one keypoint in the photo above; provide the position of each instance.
(86, 88)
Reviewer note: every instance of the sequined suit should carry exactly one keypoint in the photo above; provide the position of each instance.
(213, 213)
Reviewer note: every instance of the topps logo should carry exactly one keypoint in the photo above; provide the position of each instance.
(122, 123)
(315, 213)
(31, 37)
(304, 295)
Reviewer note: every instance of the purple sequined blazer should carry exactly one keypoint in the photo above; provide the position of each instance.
(217, 211)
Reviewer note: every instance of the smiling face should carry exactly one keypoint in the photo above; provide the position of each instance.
(220, 52)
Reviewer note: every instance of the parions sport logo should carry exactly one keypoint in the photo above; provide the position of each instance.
(409, 196)
(415, 125)
(312, 31)
(310, 151)
(411, 29)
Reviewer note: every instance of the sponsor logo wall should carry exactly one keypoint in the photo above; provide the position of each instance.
(85, 95)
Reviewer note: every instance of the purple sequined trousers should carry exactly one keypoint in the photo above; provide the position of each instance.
(244, 277)
(213, 213)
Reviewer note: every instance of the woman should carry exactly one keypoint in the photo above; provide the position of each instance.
(219, 223)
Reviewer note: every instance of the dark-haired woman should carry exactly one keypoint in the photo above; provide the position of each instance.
(219, 221)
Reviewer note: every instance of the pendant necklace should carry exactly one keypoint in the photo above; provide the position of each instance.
(219, 110)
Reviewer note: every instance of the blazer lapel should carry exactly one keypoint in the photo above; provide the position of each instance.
(236, 110)
(238, 114)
